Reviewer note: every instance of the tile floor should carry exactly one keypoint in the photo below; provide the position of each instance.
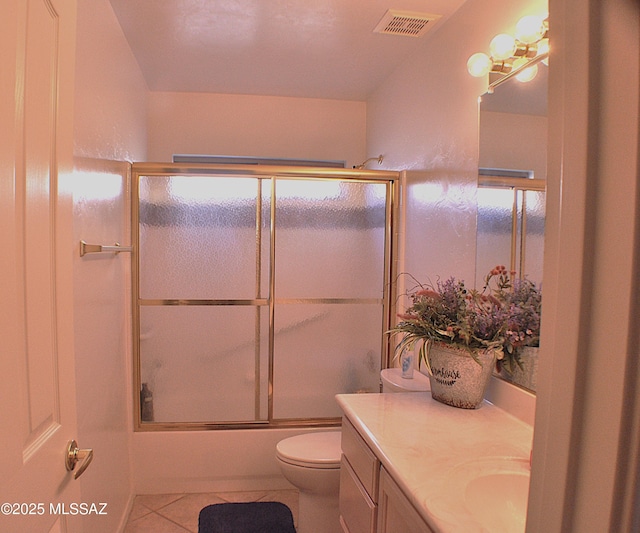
(178, 513)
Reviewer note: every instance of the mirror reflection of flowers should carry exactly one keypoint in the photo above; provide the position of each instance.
(504, 317)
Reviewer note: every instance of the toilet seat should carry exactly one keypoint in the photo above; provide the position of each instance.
(311, 450)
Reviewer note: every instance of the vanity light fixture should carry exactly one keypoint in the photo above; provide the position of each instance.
(514, 56)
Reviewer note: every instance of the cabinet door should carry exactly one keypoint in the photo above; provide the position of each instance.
(395, 512)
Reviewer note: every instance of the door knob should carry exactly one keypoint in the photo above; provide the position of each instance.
(74, 455)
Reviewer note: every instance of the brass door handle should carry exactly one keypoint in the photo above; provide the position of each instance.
(74, 455)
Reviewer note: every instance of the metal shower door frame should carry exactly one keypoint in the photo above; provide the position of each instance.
(260, 172)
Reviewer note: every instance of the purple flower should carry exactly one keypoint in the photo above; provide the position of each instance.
(504, 316)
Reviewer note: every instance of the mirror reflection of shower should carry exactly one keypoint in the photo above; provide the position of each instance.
(512, 177)
(511, 187)
(511, 216)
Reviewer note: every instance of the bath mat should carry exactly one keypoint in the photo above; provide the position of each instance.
(254, 517)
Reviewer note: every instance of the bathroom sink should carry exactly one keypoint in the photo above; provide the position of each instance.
(499, 501)
(494, 492)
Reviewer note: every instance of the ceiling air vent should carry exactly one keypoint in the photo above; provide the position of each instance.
(405, 23)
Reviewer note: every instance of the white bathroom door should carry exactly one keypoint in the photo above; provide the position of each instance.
(37, 388)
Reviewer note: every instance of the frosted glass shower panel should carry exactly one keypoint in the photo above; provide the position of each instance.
(205, 363)
(259, 293)
(198, 237)
(534, 234)
(323, 350)
(510, 231)
(330, 239)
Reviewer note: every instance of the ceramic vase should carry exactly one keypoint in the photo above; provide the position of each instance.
(457, 379)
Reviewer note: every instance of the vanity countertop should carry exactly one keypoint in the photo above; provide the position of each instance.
(424, 445)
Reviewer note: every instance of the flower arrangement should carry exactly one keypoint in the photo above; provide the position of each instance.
(504, 317)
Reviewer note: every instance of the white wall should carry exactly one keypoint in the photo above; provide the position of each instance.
(424, 119)
(111, 95)
(102, 338)
(517, 142)
(110, 127)
(586, 434)
(260, 126)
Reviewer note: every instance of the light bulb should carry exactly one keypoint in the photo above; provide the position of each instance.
(502, 46)
(479, 65)
(528, 73)
(530, 29)
(543, 48)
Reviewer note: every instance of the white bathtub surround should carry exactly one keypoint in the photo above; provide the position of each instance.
(425, 445)
(208, 461)
(101, 338)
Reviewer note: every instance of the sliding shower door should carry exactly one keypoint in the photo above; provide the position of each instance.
(203, 319)
(259, 293)
(511, 218)
(329, 286)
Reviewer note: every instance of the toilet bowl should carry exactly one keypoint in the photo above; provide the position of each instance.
(311, 462)
(392, 381)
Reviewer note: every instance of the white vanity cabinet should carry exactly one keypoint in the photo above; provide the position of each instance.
(370, 501)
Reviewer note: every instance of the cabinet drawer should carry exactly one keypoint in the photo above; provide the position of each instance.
(361, 459)
(357, 510)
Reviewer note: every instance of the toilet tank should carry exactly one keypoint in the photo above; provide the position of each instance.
(392, 381)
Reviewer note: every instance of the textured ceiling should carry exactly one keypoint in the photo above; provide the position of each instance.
(302, 48)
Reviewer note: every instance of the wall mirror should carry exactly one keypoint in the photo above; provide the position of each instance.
(511, 189)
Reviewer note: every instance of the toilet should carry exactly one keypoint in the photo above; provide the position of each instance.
(311, 462)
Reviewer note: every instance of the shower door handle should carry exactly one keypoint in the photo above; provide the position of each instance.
(75, 455)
